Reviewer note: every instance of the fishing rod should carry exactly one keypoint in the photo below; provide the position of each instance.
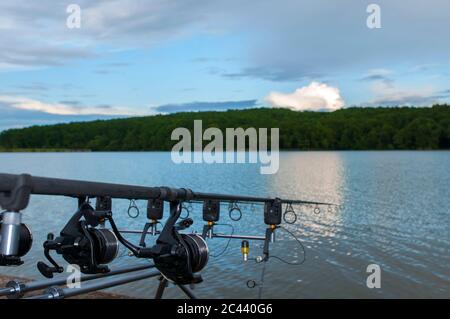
(73, 188)
(86, 242)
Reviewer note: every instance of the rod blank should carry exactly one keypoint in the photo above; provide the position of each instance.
(76, 188)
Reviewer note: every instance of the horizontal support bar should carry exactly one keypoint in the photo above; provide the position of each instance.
(58, 293)
(16, 288)
(131, 231)
(239, 237)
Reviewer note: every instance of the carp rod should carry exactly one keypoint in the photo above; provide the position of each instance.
(76, 188)
(86, 242)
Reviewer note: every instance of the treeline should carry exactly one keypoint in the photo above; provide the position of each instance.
(347, 129)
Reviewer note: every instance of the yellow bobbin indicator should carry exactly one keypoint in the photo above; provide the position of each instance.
(210, 223)
(245, 249)
(273, 226)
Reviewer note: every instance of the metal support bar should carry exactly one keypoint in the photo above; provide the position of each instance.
(132, 231)
(58, 293)
(239, 237)
(16, 288)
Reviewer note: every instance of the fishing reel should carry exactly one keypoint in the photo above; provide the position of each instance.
(16, 239)
(179, 257)
(82, 244)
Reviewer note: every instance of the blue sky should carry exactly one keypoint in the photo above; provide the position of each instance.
(135, 57)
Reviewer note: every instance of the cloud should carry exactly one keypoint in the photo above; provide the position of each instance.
(22, 103)
(20, 112)
(312, 36)
(387, 92)
(105, 25)
(314, 97)
(70, 102)
(288, 41)
(273, 74)
(378, 75)
(390, 94)
(17, 118)
(205, 106)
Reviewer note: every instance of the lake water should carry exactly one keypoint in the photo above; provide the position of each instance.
(395, 212)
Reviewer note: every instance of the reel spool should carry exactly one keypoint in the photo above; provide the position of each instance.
(197, 250)
(191, 256)
(179, 256)
(105, 245)
(23, 247)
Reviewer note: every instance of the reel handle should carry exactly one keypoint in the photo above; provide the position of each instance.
(44, 269)
(48, 271)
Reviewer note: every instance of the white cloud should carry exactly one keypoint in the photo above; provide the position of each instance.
(392, 94)
(66, 109)
(314, 97)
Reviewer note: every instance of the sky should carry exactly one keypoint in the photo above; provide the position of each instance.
(136, 57)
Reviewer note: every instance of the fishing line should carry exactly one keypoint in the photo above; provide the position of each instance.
(123, 254)
(228, 242)
(263, 272)
(261, 281)
(301, 245)
(126, 252)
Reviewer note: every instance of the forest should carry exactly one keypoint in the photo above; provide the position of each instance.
(355, 128)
